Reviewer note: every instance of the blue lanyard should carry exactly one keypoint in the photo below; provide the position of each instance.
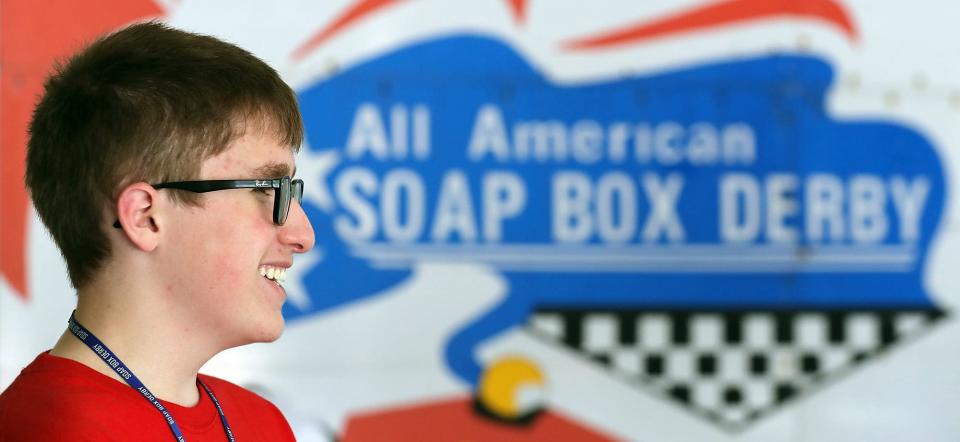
(114, 362)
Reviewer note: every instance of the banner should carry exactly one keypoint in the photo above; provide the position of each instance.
(690, 220)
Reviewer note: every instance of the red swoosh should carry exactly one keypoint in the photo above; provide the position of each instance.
(519, 9)
(356, 12)
(364, 8)
(32, 36)
(454, 418)
(720, 14)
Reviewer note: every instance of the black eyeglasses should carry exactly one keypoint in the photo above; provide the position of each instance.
(285, 190)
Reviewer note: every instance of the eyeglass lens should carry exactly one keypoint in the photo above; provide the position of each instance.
(281, 202)
(288, 189)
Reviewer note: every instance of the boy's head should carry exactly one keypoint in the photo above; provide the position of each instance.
(145, 104)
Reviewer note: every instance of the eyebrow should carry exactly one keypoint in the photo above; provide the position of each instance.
(274, 170)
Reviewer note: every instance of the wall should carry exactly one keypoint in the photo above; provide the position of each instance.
(689, 220)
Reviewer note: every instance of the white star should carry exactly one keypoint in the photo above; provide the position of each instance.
(297, 291)
(314, 167)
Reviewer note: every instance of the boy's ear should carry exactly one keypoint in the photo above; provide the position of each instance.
(136, 210)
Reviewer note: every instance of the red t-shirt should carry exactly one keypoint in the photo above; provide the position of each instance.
(56, 399)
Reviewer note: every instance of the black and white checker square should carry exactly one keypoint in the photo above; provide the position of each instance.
(730, 367)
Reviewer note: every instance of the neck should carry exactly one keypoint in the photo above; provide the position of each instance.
(164, 356)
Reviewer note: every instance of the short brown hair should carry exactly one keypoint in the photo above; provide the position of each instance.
(147, 103)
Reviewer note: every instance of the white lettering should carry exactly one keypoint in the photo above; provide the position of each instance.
(421, 132)
(666, 141)
(868, 222)
(739, 143)
(616, 194)
(352, 186)
(781, 204)
(489, 137)
(704, 145)
(571, 207)
(504, 196)
(908, 201)
(859, 210)
(739, 193)
(398, 131)
(618, 137)
(367, 134)
(587, 141)
(540, 141)
(824, 205)
(454, 212)
(663, 216)
(396, 183)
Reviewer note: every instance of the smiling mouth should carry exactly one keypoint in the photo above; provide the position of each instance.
(275, 274)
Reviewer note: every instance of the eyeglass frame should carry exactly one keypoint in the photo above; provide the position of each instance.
(286, 189)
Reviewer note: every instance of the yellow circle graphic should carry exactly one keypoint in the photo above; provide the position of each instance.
(512, 387)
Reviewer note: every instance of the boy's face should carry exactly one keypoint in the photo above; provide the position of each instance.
(214, 252)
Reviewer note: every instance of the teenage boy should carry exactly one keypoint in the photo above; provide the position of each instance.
(160, 162)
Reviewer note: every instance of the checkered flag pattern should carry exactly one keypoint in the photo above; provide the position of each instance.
(729, 367)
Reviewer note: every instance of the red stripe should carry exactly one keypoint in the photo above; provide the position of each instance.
(519, 9)
(359, 10)
(720, 14)
(364, 8)
(455, 419)
(33, 35)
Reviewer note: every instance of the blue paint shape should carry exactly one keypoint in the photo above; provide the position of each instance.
(875, 188)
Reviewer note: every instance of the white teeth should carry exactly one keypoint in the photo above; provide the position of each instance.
(277, 274)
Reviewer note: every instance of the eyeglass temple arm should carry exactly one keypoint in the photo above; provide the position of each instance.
(210, 186)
